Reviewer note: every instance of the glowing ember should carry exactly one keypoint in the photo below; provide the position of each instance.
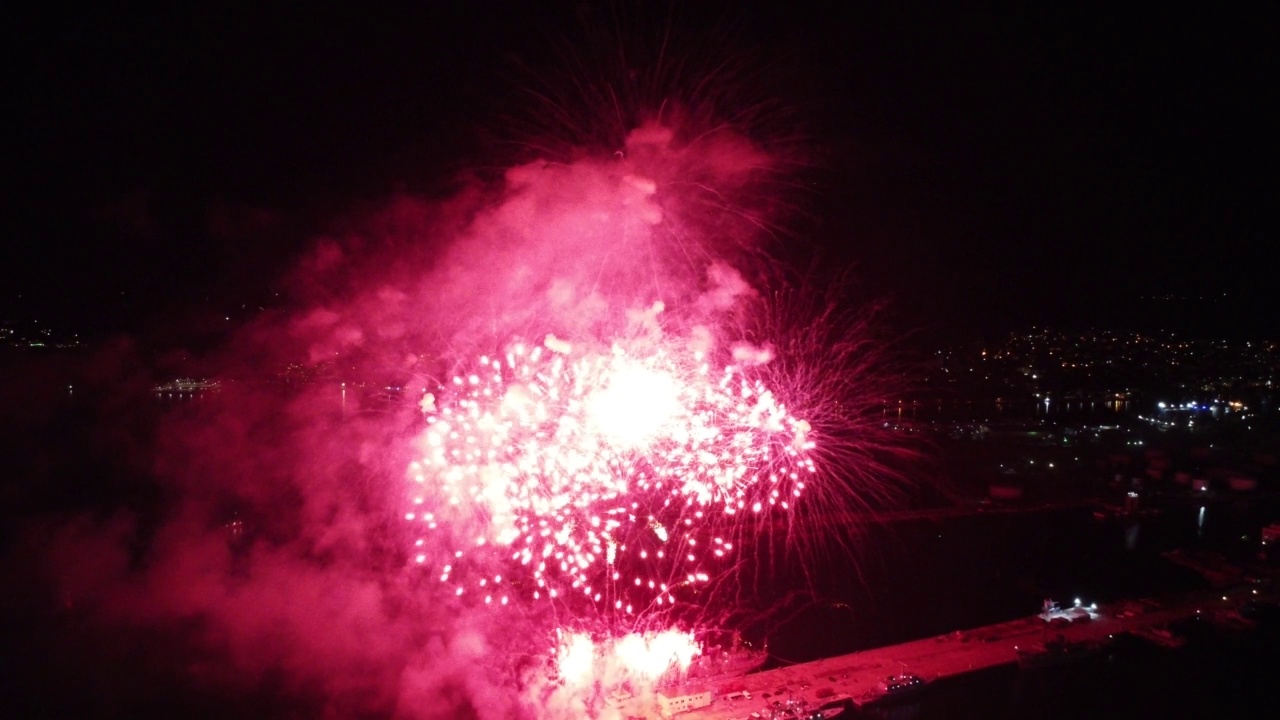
(635, 657)
(575, 658)
(551, 472)
(652, 656)
(635, 405)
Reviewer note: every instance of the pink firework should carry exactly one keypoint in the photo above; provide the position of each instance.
(638, 658)
(554, 473)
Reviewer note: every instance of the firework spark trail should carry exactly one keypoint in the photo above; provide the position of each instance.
(590, 483)
(612, 478)
(597, 483)
(606, 475)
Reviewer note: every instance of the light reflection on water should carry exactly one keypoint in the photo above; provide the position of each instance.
(966, 410)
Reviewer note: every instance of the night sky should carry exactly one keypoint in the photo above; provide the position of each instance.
(980, 172)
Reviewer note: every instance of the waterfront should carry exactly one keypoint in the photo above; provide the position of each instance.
(866, 584)
(921, 578)
(1085, 635)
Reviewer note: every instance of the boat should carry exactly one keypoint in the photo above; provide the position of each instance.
(895, 688)
(804, 710)
(186, 385)
(900, 685)
(719, 666)
(1055, 652)
(1231, 619)
(844, 707)
(1160, 636)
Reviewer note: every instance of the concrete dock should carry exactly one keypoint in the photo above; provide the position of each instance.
(857, 675)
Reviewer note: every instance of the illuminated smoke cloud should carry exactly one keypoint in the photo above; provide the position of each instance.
(631, 272)
(583, 250)
(322, 590)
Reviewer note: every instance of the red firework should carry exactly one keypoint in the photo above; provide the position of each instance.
(558, 474)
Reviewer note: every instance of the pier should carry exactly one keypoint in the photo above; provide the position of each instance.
(854, 679)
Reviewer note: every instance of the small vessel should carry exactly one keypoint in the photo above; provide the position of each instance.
(719, 666)
(894, 688)
(1160, 636)
(1055, 652)
(1231, 620)
(186, 385)
(897, 685)
(798, 709)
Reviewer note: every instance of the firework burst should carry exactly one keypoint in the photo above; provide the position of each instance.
(627, 483)
(607, 478)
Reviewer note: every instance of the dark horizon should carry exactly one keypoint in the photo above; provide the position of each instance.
(977, 173)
